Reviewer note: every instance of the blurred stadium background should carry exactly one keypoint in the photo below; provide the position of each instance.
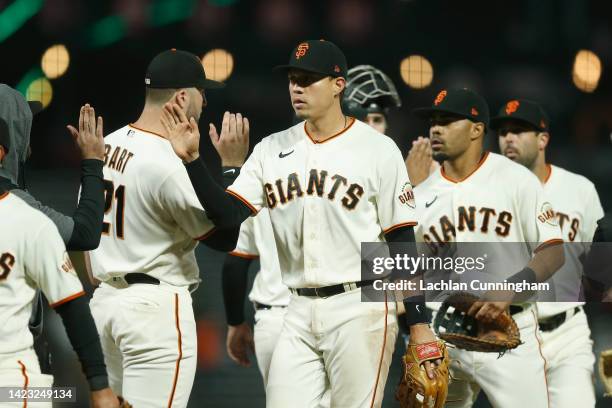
(69, 52)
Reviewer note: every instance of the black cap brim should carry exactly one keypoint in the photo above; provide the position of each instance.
(287, 67)
(35, 106)
(428, 112)
(495, 121)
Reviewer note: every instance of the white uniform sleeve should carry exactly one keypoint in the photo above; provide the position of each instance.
(249, 186)
(594, 212)
(537, 216)
(395, 200)
(48, 265)
(245, 247)
(178, 198)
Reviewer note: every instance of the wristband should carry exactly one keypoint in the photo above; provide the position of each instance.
(415, 310)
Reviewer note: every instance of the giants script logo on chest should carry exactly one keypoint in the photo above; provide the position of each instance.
(283, 191)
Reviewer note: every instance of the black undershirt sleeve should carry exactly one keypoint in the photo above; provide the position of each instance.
(224, 239)
(223, 209)
(234, 280)
(84, 339)
(89, 215)
(402, 242)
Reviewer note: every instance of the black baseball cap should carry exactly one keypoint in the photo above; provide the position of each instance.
(318, 56)
(461, 102)
(525, 111)
(178, 69)
(5, 139)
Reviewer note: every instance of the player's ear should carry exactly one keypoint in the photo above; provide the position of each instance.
(339, 85)
(181, 98)
(543, 139)
(478, 129)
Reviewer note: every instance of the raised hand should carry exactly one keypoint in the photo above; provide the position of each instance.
(233, 142)
(90, 136)
(183, 133)
(419, 162)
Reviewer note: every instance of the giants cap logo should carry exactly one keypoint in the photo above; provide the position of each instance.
(440, 97)
(301, 50)
(336, 68)
(542, 123)
(511, 107)
(474, 112)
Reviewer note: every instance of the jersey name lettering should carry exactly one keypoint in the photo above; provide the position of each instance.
(118, 159)
(319, 183)
(470, 219)
(7, 260)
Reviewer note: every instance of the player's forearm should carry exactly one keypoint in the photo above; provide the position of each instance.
(234, 282)
(84, 339)
(89, 215)
(402, 242)
(547, 261)
(223, 209)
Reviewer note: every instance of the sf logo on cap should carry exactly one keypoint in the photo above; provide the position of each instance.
(301, 50)
(440, 97)
(511, 107)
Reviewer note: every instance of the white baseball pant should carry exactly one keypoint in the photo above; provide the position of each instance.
(22, 371)
(517, 379)
(568, 351)
(340, 343)
(148, 336)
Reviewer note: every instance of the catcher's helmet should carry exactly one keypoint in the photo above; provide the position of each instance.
(372, 89)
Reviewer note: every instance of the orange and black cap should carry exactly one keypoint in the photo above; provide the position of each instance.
(525, 111)
(178, 69)
(5, 139)
(318, 56)
(461, 102)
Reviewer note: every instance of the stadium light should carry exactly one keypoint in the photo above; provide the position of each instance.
(587, 71)
(416, 71)
(55, 61)
(218, 64)
(40, 90)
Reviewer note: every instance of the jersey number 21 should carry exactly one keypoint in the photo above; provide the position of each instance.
(118, 194)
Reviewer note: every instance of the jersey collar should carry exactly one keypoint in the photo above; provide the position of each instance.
(327, 139)
(478, 166)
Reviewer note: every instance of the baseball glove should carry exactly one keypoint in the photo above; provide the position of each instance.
(605, 371)
(454, 326)
(416, 389)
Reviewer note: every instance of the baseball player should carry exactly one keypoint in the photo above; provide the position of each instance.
(269, 295)
(478, 196)
(33, 256)
(321, 206)
(523, 130)
(145, 261)
(79, 232)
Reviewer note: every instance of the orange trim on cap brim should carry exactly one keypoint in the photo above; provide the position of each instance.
(332, 136)
(68, 299)
(244, 200)
(243, 255)
(480, 163)
(404, 224)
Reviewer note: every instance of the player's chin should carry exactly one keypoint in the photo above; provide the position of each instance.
(440, 156)
(301, 113)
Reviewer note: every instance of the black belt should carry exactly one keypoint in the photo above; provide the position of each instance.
(552, 322)
(327, 291)
(132, 278)
(262, 306)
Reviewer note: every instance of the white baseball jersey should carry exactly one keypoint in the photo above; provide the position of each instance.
(577, 214)
(153, 217)
(326, 198)
(256, 240)
(32, 255)
(499, 202)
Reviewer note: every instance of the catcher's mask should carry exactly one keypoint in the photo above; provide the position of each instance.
(372, 89)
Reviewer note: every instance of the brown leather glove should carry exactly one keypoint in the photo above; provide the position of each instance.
(605, 371)
(454, 326)
(416, 389)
